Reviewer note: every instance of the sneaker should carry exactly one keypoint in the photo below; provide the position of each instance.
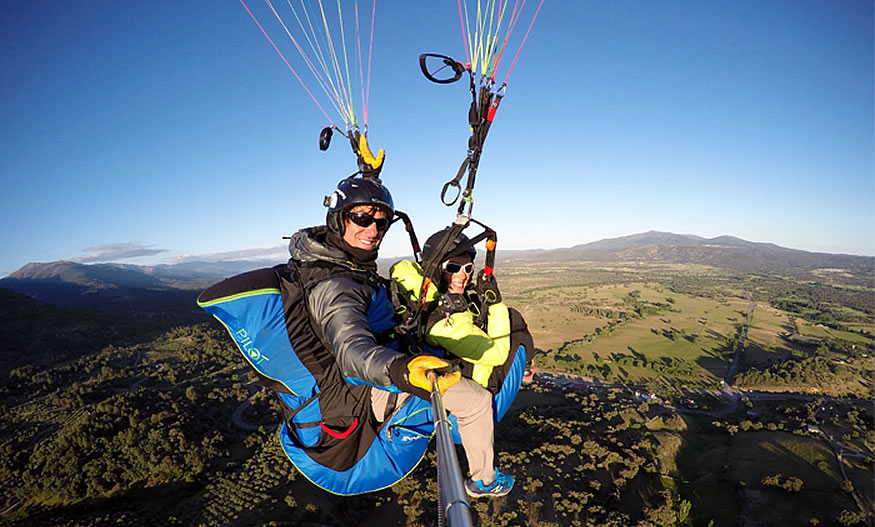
(499, 487)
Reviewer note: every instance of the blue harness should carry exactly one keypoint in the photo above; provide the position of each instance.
(251, 308)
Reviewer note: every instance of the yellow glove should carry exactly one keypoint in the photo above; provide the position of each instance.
(419, 367)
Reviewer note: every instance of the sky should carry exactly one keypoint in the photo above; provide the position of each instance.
(163, 132)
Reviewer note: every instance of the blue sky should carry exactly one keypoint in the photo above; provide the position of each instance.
(164, 131)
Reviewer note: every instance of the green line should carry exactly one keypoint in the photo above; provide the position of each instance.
(256, 292)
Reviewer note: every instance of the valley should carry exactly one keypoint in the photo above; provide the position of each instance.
(665, 394)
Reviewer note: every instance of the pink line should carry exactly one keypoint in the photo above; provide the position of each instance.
(464, 34)
(512, 64)
(287, 62)
(514, 16)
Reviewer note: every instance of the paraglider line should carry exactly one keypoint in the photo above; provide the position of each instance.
(464, 35)
(351, 103)
(502, 8)
(370, 55)
(492, 38)
(337, 103)
(327, 84)
(287, 62)
(338, 75)
(514, 16)
(468, 38)
(512, 64)
(358, 45)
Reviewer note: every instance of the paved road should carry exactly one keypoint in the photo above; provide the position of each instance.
(842, 451)
(237, 416)
(736, 358)
(730, 394)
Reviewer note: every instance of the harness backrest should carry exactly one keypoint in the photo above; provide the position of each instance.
(266, 313)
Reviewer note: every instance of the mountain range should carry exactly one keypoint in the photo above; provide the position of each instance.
(67, 283)
(725, 252)
(71, 283)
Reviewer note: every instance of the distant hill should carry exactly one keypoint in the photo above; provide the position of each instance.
(640, 240)
(725, 252)
(661, 239)
(70, 283)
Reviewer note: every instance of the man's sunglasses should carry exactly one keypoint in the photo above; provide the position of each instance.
(364, 220)
(453, 267)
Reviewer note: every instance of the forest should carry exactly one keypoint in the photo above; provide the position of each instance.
(127, 415)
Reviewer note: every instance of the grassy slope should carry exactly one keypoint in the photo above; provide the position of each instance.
(696, 327)
(756, 455)
(574, 314)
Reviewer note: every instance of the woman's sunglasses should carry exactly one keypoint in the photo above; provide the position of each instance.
(453, 267)
(364, 220)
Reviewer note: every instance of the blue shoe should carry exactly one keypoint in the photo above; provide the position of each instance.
(499, 487)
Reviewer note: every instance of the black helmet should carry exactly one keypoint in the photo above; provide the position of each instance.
(431, 244)
(352, 192)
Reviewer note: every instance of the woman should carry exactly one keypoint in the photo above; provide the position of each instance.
(482, 350)
(456, 330)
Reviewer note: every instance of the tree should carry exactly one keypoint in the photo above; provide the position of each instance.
(848, 518)
(847, 486)
(684, 511)
(792, 484)
(772, 481)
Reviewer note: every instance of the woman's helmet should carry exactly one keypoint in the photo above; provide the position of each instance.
(428, 250)
(356, 191)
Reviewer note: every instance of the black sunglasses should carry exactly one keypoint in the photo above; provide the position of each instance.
(364, 220)
(453, 267)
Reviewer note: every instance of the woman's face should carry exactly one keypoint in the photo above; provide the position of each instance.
(458, 280)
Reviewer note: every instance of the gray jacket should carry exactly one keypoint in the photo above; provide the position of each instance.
(339, 307)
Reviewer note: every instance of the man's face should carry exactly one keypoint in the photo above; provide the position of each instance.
(366, 238)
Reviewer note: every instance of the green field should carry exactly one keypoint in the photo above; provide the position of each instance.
(757, 455)
(703, 464)
(677, 327)
(671, 336)
(550, 318)
(821, 331)
(861, 476)
(764, 344)
(672, 325)
(722, 474)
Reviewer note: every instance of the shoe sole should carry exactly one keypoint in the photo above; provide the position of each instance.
(488, 494)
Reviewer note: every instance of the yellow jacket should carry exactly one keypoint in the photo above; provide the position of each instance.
(458, 334)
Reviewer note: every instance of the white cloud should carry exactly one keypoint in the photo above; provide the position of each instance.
(113, 252)
(273, 253)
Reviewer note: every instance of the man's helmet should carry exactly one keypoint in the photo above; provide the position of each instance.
(431, 244)
(352, 192)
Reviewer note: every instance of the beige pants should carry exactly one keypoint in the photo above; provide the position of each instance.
(472, 406)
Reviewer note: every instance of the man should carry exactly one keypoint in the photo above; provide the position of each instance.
(350, 311)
